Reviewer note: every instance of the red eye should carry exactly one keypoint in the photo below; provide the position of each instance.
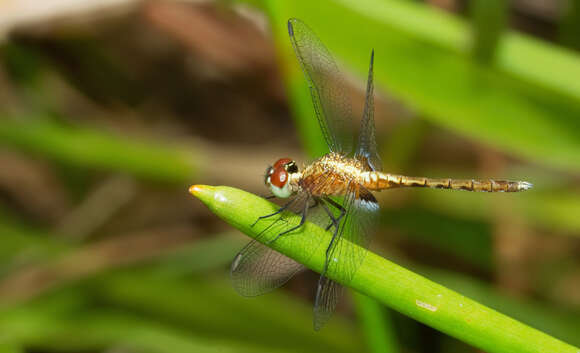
(279, 178)
(281, 162)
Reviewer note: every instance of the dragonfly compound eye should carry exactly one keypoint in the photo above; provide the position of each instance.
(279, 178)
(279, 183)
(282, 162)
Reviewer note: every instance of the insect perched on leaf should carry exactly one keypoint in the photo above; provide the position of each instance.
(343, 173)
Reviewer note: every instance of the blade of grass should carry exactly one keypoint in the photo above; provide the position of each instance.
(488, 18)
(162, 294)
(19, 238)
(212, 307)
(376, 324)
(553, 210)
(99, 150)
(201, 256)
(176, 289)
(529, 59)
(90, 330)
(570, 25)
(558, 321)
(394, 286)
(468, 240)
(10, 348)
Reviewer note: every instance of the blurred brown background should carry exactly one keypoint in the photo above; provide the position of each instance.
(109, 110)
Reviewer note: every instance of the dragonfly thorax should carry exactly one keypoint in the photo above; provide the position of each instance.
(331, 175)
(278, 177)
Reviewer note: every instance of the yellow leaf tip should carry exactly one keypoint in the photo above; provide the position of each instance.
(195, 190)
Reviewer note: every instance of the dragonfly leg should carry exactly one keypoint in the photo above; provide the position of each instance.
(329, 249)
(339, 207)
(280, 210)
(302, 220)
(333, 220)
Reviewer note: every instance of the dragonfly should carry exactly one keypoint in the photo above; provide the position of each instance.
(334, 191)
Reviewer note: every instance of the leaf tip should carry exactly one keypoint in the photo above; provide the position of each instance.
(201, 191)
(195, 189)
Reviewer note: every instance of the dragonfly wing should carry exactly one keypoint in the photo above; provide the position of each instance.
(327, 295)
(367, 145)
(257, 269)
(327, 86)
(346, 250)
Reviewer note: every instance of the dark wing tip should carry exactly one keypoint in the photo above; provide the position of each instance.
(372, 55)
(290, 28)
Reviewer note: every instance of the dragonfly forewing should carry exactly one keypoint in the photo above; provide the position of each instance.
(327, 86)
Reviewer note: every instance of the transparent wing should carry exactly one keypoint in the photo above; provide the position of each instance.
(346, 250)
(329, 96)
(327, 296)
(257, 269)
(367, 145)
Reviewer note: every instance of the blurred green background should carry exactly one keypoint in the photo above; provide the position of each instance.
(110, 110)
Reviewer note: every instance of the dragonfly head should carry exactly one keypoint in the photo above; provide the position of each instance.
(277, 177)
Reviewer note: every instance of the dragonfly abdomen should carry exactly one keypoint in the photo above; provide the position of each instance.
(378, 181)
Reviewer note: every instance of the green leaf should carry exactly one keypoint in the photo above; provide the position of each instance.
(212, 307)
(377, 325)
(551, 210)
(105, 329)
(10, 348)
(378, 278)
(99, 150)
(558, 321)
(488, 23)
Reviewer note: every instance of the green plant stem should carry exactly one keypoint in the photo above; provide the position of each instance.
(392, 285)
(376, 324)
(10, 348)
(99, 150)
(570, 25)
(98, 330)
(488, 22)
